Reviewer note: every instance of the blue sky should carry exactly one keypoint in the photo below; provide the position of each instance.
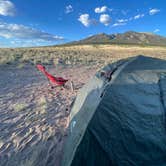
(36, 22)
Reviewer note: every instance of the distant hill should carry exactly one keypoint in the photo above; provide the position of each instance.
(130, 37)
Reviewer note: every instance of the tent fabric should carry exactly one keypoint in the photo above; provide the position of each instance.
(127, 124)
(85, 105)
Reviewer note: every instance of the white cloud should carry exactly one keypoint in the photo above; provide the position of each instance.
(28, 43)
(85, 20)
(139, 16)
(7, 8)
(105, 19)
(153, 11)
(69, 9)
(122, 20)
(102, 9)
(19, 31)
(118, 24)
(156, 30)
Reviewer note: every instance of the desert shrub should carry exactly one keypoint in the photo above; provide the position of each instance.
(92, 54)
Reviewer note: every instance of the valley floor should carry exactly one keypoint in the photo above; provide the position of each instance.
(34, 117)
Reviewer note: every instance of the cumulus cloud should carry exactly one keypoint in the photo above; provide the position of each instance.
(139, 16)
(105, 19)
(18, 31)
(156, 30)
(153, 11)
(85, 20)
(69, 9)
(7, 8)
(102, 9)
(118, 24)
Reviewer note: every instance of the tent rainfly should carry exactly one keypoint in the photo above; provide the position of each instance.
(119, 117)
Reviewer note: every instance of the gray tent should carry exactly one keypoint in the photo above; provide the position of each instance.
(119, 117)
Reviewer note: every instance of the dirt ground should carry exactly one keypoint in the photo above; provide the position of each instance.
(33, 117)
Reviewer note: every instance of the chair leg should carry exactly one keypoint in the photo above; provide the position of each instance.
(72, 86)
(50, 85)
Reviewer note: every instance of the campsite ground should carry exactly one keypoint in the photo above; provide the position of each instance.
(34, 117)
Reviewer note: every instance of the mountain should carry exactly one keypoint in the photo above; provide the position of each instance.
(130, 37)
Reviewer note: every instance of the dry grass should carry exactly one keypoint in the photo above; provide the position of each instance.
(19, 106)
(85, 54)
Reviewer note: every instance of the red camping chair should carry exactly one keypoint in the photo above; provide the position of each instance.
(58, 81)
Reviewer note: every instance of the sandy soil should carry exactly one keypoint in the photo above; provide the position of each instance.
(33, 117)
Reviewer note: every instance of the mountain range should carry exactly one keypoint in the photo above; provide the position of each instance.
(130, 37)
